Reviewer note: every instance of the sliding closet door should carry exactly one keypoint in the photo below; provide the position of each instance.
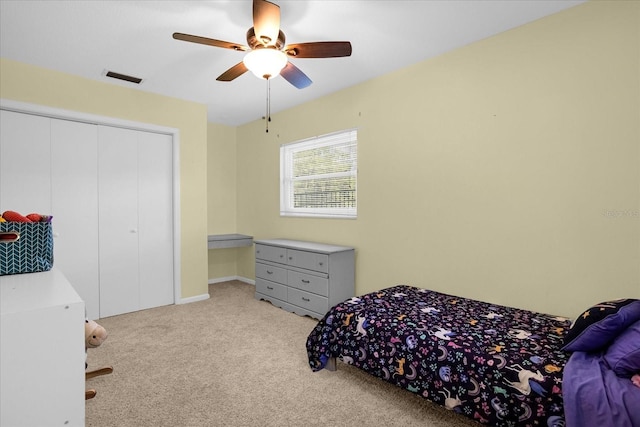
(74, 198)
(49, 166)
(136, 224)
(110, 191)
(155, 219)
(25, 165)
(118, 215)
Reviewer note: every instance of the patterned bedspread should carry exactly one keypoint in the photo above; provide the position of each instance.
(498, 365)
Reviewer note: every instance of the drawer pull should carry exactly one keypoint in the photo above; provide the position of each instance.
(305, 299)
(321, 263)
(270, 288)
(305, 281)
(281, 256)
(269, 272)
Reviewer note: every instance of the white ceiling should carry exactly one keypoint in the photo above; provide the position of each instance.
(87, 38)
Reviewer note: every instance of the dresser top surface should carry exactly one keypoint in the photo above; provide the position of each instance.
(304, 246)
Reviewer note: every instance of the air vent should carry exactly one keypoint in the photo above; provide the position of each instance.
(124, 77)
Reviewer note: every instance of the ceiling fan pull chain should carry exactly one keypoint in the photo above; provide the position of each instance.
(268, 114)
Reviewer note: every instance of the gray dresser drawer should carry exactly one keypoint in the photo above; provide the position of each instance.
(306, 278)
(269, 272)
(307, 282)
(307, 300)
(309, 260)
(271, 253)
(271, 289)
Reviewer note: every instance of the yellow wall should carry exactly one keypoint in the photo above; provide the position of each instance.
(507, 170)
(222, 164)
(26, 83)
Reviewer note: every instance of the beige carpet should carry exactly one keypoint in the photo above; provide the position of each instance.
(235, 361)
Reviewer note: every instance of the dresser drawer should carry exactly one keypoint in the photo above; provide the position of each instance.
(303, 277)
(307, 282)
(269, 272)
(309, 260)
(271, 253)
(308, 300)
(271, 289)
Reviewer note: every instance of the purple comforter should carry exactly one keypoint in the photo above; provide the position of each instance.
(595, 397)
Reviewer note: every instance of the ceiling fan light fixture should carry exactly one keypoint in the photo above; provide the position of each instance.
(265, 63)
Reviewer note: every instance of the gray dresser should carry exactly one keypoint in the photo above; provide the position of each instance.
(304, 277)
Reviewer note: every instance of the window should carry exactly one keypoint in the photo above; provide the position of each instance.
(318, 176)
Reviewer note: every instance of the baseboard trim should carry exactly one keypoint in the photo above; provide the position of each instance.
(193, 299)
(211, 282)
(228, 278)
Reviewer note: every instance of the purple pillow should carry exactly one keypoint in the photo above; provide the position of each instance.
(601, 324)
(623, 354)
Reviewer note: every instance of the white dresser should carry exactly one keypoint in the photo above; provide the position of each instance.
(304, 277)
(41, 352)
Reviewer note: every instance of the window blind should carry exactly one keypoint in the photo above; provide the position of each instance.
(319, 176)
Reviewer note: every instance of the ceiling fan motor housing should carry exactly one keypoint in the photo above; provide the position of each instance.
(255, 43)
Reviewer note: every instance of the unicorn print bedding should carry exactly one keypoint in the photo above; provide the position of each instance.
(497, 365)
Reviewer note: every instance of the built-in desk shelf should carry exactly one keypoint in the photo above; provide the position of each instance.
(222, 241)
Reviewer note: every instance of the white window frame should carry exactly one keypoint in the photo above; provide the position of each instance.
(286, 172)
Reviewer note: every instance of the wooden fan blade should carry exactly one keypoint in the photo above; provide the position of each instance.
(266, 21)
(319, 49)
(209, 42)
(293, 75)
(233, 72)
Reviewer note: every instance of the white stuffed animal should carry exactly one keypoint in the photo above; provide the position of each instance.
(94, 334)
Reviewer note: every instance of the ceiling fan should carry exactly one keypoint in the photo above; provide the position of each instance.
(268, 56)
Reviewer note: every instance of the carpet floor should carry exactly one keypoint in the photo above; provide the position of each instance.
(235, 361)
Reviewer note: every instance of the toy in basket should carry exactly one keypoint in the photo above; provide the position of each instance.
(26, 243)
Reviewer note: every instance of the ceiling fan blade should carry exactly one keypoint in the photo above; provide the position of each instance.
(233, 72)
(209, 42)
(266, 21)
(319, 49)
(293, 75)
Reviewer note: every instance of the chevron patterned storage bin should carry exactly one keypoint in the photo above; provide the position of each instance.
(31, 252)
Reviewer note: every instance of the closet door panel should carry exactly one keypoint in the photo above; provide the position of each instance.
(118, 216)
(110, 191)
(74, 196)
(155, 219)
(25, 163)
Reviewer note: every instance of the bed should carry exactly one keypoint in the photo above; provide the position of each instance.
(498, 365)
